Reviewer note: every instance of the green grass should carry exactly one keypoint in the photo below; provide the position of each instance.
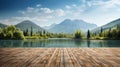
(36, 37)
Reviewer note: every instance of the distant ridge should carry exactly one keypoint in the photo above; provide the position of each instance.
(2, 25)
(70, 26)
(48, 27)
(26, 24)
(109, 25)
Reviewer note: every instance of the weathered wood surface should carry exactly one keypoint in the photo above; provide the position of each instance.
(59, 57)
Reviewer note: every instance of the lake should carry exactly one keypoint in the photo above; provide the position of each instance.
(59, 43)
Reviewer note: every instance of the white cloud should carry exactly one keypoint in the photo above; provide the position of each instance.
(75, 11)
(46, 10)
(30, 9)
(104, 5)
(99, 12)
(38, 5)
(112, 4)
(74, 5)
(59, 12)
(39, 15)
(83, 1)
(89, 4)
(43, 12)
(68, 7)
(103, 12)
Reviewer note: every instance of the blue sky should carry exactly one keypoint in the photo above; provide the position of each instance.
(47, 12)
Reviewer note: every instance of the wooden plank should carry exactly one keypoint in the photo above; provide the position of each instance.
(62, 63)
(59, 57)
(77, 63)
(52, 59)
(57, 61)
(69, 61)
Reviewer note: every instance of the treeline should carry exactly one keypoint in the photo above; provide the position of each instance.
(111, 33)
(45, 35)
(11, 32)
(31, 34)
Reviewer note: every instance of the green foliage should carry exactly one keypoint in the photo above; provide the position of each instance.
(112, 33)
(2, 35)
(32, 37)
(88, 34)
(40, 33)
(101, 31)
(78, 34)
(26, 32)
(18, 35)
(11, 32)
(11, 28)
(44, 32)
(31, 33)
(9, 35)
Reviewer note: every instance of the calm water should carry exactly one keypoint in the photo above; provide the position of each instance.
(59, 43)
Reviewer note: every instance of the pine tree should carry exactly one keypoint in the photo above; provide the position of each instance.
(40, 33)
(31, 31)
(109, 33)
(44, 32)
(101, 30)
(88, 34)
(27, 32)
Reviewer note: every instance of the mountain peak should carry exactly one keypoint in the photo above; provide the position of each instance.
(27, 24)
(78, 20)
(70, 26)
(67, 20)
(27, 21)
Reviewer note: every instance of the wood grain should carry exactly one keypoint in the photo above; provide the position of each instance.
(59, 57)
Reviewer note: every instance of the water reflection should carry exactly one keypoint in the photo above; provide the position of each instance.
(88, 43)
(59, 43)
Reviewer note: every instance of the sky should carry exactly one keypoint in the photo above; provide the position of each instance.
(47, 12)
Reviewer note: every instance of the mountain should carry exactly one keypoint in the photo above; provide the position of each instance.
(48, 27)
(24, 25)
(70, 26)
(107, 26)
(2, 25)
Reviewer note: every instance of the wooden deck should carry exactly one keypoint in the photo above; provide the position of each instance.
(59, 57)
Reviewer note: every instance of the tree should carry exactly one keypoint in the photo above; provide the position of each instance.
(10, 28)
(31, 31)
(44, 32)
(18, 35)
(26, 32)
(118, 32)
(0, 30)
(40, 33)
(78, 34)
(11, 32)
(101, 30)
(88, 34)
(2, 35)
(9, 35)
(109, 33)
